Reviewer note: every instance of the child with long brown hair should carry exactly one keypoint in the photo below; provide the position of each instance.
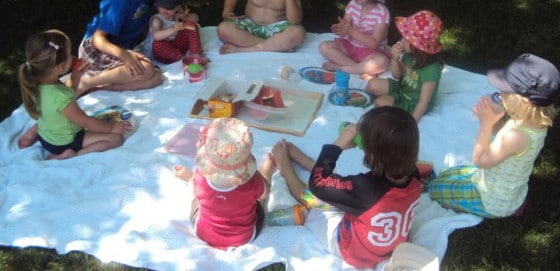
(377, 205)
(63, 128)
(415, 66)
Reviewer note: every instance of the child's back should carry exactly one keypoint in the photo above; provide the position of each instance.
(378, 205)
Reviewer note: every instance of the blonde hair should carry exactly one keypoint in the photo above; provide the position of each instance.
(43, 52)
(518, 109)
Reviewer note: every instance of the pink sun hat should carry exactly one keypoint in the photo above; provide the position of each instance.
(422, 30)
(223, 154)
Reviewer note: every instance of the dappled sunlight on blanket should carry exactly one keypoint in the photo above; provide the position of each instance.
(125, 204)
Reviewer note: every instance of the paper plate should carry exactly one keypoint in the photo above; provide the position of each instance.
(358, 98)
(317, 75)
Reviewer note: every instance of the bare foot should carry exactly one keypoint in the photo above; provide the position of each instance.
(281, 156)
(268, 167)
(28, 138)
(230, 48)
(366, 76)
(182, 173)
(329, 66)
(68, 153)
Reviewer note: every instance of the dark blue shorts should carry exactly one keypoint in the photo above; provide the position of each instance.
(75, 145)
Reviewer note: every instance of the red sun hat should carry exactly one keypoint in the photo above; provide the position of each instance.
(422, 30)
(224, 155)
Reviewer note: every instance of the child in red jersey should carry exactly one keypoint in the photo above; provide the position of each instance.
(377, 205)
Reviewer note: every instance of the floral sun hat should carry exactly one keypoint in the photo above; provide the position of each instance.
(223, 154)
(422, 30)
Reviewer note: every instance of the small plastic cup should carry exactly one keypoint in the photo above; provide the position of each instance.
(357, 139)
(196, 72)
(294, 215)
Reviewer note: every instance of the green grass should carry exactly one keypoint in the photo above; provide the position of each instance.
(480, 35)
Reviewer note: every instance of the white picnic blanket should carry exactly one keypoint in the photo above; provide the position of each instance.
(125, 205)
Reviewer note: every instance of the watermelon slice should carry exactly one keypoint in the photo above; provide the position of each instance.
(328, 77)
(265, 96)
(189, 26)
(277, 99)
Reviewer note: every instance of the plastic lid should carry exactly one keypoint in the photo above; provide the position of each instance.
(496, 98)
(194, 68)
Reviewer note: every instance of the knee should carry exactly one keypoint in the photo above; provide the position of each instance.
(324, 47)
(298, 33)
(224, 28)
(384, 100)
(152, 76)
(116, 140)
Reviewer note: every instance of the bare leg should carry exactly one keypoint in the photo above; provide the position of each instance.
(268, 167)
(299, 157)
(119, 78)
(374, 64)
(98, 142)
(236, 40)
(64, 155)
(338, 57)
(28, 138)
(384, 100)
(282, 160)
(330, 66)
(182, 173)
(230, 34)
(377, 86)
(334, 53)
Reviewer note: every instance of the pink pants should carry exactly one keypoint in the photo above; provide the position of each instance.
(359, 53)
(169, 51)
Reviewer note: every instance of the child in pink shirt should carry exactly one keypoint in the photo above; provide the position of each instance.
(361, 47)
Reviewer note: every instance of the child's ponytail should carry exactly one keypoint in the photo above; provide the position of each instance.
(29, 88)
(44, 51)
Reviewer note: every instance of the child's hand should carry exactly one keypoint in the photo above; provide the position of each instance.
(342, 28)
(182, 173)
(179, 26)
(486, 115)
(120, 127)
(397, 49)
(132, 61)
(345, 139)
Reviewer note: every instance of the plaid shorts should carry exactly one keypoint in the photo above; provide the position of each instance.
(261, 31)
(97, 60)
(454, 187)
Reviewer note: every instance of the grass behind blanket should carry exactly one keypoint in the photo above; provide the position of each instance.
(479, 35)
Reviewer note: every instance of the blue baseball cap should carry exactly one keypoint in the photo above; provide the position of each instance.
(529, 76)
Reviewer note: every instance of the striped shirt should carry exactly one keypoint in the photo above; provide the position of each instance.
(365, 22)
